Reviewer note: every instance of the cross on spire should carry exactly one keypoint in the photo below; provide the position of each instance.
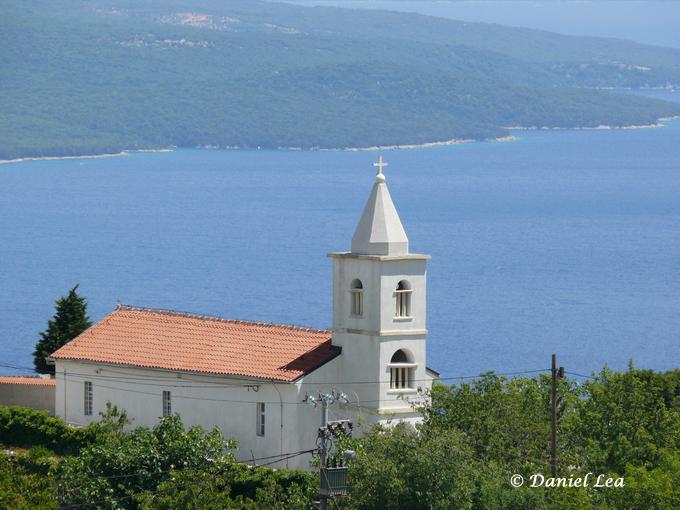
(379, 165)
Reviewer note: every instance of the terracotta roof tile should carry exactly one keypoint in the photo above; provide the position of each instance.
(179, 341)
(31, 381)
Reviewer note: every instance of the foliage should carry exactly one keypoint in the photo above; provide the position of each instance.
(628, 419)
(106, 76)
(234, 486)
(401, 469)
(503, 420)
(24, 427)
(475, 436)
(121, 464)
(69, 321)
(163, 467)
(22, 489)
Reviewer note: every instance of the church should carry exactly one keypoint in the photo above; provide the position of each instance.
(262, 384)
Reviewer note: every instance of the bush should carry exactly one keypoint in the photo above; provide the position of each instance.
(24, 427)
(122, 464)
(20, 489)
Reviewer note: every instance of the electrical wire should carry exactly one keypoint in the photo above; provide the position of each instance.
(581, 375)
(256, 382)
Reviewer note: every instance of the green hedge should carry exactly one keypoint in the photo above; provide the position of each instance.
(24, 427)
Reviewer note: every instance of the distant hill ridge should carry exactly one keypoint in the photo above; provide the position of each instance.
(101, 76)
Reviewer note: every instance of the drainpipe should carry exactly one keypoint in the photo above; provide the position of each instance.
(281, 411)
(65, 417)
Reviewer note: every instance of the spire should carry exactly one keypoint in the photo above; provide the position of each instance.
(379, 231)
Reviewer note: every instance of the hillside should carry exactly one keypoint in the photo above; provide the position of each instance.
(101, 76)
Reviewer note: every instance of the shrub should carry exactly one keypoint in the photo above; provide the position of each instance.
(24, 427)
(20, 489)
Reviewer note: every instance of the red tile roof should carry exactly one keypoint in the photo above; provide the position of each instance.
(31, 381)
(179, 341)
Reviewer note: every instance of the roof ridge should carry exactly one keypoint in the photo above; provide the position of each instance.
(176, 313)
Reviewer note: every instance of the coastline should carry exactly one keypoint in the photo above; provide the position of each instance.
(454, 141)
(84, 156)
(602, 127)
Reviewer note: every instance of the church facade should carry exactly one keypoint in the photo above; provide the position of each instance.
(261, 384)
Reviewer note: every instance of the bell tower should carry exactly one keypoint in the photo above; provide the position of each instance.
(379, 308)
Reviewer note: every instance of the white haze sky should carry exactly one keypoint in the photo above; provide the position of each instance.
(648, 21)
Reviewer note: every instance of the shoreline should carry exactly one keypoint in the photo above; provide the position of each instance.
(84, 156)
(453, 141)
(602, 127)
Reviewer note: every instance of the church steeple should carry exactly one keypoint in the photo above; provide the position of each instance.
(380, 309)
(380, 231)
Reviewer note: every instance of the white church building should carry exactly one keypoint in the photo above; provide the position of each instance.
(250, 379)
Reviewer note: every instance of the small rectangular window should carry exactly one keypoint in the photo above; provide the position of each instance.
(167, 404)
(87, 402)
(260, 418)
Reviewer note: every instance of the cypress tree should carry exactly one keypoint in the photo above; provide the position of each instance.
(70, 320)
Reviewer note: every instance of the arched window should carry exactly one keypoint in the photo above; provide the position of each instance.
(357, 293)
(402, 371)
(403, 293)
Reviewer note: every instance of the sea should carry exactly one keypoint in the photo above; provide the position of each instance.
(562, 241)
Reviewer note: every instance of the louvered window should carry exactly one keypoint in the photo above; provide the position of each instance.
(402, 371)
(403, 293)
(357, 293)
(87, 401)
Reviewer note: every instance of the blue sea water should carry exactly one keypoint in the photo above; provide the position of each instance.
(562, 241)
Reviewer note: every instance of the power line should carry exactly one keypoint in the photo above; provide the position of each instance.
(286, 458)
(277, 458)
(259, 382)
(171, 383)
(186, 397)
(121, 498)
(80, 505)
(129, 390)
(581, 375)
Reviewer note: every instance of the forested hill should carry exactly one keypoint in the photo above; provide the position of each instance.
(83, 77)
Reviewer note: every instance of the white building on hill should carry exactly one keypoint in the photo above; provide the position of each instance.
(249, 378)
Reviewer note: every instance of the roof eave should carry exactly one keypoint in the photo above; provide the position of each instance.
(338, 352)
(179, 371)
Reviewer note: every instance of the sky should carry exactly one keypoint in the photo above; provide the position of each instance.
(647, 21)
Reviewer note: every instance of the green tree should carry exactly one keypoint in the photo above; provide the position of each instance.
(233, 486)
(506, 420)
(476, 436)
(627, 419)
(122, 464)
(69, 321)
(404, 469)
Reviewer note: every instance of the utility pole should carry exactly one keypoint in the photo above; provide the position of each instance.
(332, 479)
(556, 373)
(323, 455)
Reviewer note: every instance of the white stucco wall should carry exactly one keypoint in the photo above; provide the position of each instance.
(225, 402)
(370, 341)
